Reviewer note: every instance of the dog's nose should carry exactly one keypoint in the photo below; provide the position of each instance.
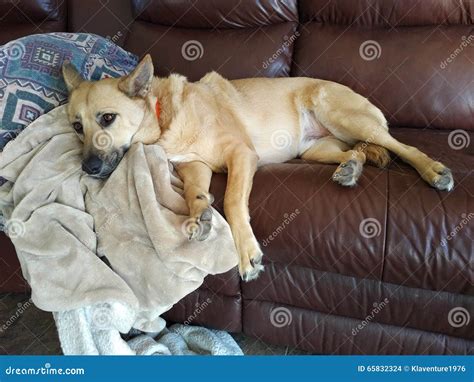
(92, 165)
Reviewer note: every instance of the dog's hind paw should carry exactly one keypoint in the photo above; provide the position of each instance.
(347, 173)
(443, 180)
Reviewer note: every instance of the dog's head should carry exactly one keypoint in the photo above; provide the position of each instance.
(108, 114)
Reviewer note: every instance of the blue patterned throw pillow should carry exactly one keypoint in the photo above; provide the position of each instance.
(31, 82)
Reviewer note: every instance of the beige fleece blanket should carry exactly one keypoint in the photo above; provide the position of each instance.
(61, 221)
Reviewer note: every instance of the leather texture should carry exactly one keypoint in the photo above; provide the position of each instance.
(111, 19)
(213, 14)
(387, 13)
(21, 18)
(234, 53)
(195, 38)
(391, 255)
(406, 81)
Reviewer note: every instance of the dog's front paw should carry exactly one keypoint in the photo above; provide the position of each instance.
(198, 228)
(250, 264)
(251, 273)
(347, 173)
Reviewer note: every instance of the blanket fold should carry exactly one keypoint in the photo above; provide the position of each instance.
(61, 221)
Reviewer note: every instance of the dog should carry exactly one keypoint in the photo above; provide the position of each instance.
(217, 125)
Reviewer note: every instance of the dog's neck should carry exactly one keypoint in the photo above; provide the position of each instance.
(168, 92)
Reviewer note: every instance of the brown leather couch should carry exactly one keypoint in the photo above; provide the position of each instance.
(382, 268)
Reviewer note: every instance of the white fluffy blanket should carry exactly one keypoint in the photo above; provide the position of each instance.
(62, 222)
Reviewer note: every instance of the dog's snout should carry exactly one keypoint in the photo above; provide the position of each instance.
(92, 165)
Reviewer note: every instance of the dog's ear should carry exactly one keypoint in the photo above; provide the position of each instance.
(138, 82)
(72, 78)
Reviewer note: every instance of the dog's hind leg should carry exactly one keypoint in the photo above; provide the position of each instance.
(434, 173)
(366, 130)
(333, 150)
(196, 177)
(371, 128)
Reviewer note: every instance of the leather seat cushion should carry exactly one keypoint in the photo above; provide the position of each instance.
(376, 230)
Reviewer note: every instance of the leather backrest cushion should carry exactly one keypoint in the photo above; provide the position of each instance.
(21, 18)
(26, 11)
(395, 53)
(385, 13)
(215, 13)
(109, 19)
(238, 39)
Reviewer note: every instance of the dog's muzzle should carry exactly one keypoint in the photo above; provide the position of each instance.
(92, 165)
(101, 166)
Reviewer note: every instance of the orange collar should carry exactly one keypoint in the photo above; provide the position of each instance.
(158, 109)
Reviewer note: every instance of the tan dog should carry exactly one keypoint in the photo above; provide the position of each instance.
(216, 125)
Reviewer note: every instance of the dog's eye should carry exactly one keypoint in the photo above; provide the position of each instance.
(78, 127)
(107, 119)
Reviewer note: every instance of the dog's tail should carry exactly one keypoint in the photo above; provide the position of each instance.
(375, 154)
